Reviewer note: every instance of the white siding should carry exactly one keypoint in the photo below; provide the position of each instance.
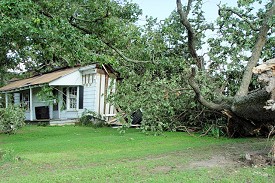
(55, 115)
(97, 95)
(60, 100)
(89, 97)
(112, 110)
(107, 106)
(102, 96)
(51, 111)
(69, 114)
(27, 115)
(16, 98)
(63, 114)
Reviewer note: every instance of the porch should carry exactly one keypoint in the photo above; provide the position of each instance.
(53, 122)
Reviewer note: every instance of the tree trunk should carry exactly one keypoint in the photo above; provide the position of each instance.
(251, 107)
(255, 112)
(256, 52)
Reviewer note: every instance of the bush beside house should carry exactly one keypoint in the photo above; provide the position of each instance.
(11, 119)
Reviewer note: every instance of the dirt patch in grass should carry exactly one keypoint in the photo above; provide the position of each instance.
(162, 169)
(237, 155)
(221, 156)
(214, 161)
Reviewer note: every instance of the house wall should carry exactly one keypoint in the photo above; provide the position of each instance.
(103, 89)
(27, 115)
(55, 115)
(16, 98)
(95, 93)
(90, 97)
(36, 102)
(70, 114)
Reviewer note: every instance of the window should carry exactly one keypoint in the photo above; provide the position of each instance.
(55, 103)
(72, 97)
(25, 100)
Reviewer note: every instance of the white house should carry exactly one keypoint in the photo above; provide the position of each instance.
(76, 89)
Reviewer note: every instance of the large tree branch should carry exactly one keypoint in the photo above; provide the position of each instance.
(47, 14)
(190, 32)
(201, 99)
(123, 56)
(189, 4)
(244, 17)
(96, 20)
(88, 31)
(256, 52)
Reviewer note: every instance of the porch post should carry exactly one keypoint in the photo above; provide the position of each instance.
(31, 110)
(60, 102)
(6, 100)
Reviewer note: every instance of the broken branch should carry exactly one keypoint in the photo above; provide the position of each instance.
(201, 99)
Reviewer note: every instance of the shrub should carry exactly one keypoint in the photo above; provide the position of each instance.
(90, 118)
(11, 119)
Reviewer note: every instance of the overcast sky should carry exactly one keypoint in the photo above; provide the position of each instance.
(161, 9)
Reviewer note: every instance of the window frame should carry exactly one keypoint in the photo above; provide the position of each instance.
(76, 98)
(25, 104)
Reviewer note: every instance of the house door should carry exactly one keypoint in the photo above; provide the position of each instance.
(55, 105)
(55, 111)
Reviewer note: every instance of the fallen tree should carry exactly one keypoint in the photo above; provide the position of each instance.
(154, 60)
(247, 111)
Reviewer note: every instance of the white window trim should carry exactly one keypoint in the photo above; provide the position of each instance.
(68, 99)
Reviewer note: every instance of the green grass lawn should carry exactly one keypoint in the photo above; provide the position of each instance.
(83, 154)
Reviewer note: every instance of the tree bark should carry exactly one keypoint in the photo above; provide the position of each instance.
(200, 98)
(251, 107)
(190, 32)
(256, 52)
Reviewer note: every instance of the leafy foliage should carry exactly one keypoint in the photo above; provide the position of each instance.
(46, 94)
(11, 119)
(90, 118)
